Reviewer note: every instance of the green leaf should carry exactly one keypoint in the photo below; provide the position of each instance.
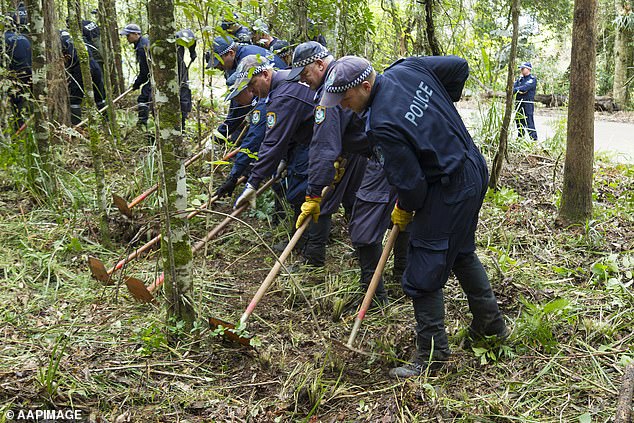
(585, 418)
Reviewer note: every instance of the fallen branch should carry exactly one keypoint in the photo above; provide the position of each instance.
(624, 405)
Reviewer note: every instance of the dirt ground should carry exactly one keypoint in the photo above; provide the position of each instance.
(70, 342)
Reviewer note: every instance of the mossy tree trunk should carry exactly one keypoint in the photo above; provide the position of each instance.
(576, 197)
(112, 45)
(89, 106)
(175, 244)
(58, 109)
(502, 152)
(40, 169)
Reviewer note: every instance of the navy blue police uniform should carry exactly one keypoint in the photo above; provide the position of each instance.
(144, 100)
(524, 89)
(185, 93)
(237, 113)
(337, 133)
(92, 37)
(18, 48)
(75, 79)
(289, 128)
(439, 173)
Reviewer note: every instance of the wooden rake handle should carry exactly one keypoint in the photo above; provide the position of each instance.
(278, 265)
(376, 277)
(103, 109)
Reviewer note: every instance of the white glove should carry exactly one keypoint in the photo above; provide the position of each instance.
(248, 195)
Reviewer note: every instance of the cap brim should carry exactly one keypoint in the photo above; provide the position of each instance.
(331, 99)
(293, 75)
(123, 32)
(213, 62)
(239, 86)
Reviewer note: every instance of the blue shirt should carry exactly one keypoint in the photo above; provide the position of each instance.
(524, 89)
(252, 140)
(414, 126)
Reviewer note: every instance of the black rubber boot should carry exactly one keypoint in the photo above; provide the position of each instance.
(315, 248)
(369, 256)
(487, 319)
(432, 346)
(144, 114)
(400, 256)
(75, 114)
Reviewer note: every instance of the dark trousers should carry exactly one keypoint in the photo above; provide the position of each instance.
(144, 101)
(525, 123)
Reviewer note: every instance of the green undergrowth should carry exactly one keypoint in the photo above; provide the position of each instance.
(67, 340)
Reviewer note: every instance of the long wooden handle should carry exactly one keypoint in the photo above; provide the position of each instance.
(215, 231)
(278, 265)
(189, 161)
(376, 278)
(103, 109)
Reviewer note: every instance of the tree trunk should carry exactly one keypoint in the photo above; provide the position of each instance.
(619, 86)
(58, 109)
(175, 244)
(112, 45)
(40, 170)
(576, 197)
(89, 106)
(501, 154)
(109, 75)
(430, 30)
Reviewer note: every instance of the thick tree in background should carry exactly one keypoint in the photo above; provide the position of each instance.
(112, 45)
(623, 25)
(58, 108)
(39, 170)
(90, 109)
(175, 243)
(576, 197)
(501, 154)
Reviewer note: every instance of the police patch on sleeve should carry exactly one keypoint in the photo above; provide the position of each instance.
(255, 117)
(271, 119)
(320, 114)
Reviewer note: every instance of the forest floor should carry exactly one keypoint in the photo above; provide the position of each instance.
(70, 342)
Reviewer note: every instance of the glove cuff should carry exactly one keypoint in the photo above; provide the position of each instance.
(314, 198)
(249, 185)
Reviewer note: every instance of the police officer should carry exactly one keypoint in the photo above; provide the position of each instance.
(92, 37)
(141, 46)
(338, 138)
(524, 89)
(21, 18)
(289, 128)
(239, 33)
(261, 35)
(227, 55)
(76, 81)
(314, 34)
(282, 49)
(441, 179)
(17, 48)
(186, 38)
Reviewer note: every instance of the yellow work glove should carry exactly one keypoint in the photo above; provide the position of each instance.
(310, 207)
(401, 218)
(340, 169)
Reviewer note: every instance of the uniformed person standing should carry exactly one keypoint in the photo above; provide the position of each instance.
(21, 18)
(17, 48)
(76, 81)
(289, 128)
(441, 179)
(524, 89)
(238, 32)
(92, 37)
(142, 81)
(185, 39)
(335, 152)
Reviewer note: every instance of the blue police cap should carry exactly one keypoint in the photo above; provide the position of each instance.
(222, 45)
(305, 54)
(250, 66)
(526, 65)
(346, 73)
(281, 48)
(130, 29)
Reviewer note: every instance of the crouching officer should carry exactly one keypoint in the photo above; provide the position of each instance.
(338, 138)
(185, 39)
(441, 179)
(226, 56)
(141, 47)
(289, 128)
(76, 80)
